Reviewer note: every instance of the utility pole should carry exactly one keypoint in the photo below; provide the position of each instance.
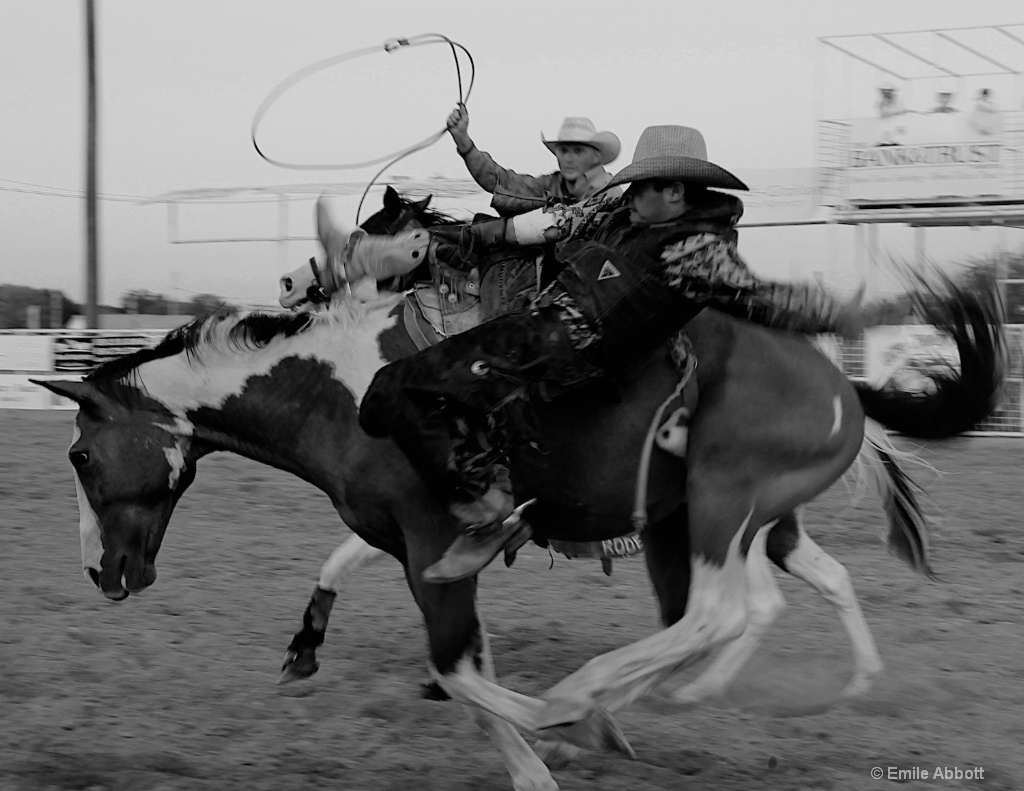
(91, 229)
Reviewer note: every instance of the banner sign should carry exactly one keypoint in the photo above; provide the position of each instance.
(925, 155)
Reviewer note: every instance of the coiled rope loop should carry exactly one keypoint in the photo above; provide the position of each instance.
(391, 45)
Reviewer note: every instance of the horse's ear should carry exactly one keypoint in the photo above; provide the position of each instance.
(392, 202)
(423, 204)
(84, 394)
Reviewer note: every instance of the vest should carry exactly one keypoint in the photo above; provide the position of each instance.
(614, 279)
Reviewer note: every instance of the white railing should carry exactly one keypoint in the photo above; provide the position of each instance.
(1008, 419)
(30, 354)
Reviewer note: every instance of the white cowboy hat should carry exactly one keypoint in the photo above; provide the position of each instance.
(677, 153)
(582, 130)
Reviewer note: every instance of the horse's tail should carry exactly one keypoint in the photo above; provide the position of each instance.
(963, 398)
(879, 465)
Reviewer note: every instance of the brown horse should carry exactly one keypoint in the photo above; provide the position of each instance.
(777, 425)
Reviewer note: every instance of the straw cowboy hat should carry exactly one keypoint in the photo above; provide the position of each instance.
(678, 153)
(582, 130)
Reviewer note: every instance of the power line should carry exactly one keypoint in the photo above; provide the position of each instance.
(29, 188)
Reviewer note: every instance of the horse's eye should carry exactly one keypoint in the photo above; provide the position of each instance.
(79, 458)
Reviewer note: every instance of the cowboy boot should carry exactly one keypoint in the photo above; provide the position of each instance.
(488, 529)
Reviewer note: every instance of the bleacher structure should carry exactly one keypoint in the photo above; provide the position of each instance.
(925, 128)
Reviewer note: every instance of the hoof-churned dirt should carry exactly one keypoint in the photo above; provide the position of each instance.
(175, 688)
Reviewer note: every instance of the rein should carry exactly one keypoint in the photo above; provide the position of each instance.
(639, 516)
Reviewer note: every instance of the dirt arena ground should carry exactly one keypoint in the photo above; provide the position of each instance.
(175, 689)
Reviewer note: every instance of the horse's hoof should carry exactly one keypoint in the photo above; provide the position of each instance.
(298, 666)
(563, 712)
(597, 730)
(431, 690)
(691, 696)
(556, 755)
(858, 687)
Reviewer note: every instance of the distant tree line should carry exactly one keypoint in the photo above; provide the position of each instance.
(142, 301)
(22, 306)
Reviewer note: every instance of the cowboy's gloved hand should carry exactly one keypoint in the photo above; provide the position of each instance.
(458, 127)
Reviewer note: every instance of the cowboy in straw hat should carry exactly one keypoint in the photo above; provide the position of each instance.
(635, 270)
(581, 151)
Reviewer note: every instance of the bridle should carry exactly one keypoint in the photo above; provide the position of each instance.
(316, 294)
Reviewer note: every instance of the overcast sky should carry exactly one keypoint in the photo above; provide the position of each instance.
(180, 81)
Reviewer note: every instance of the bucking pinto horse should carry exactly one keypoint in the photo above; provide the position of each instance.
(505, 278)
(778, 423)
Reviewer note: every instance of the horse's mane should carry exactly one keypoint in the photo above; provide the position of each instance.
(432, 217)
(427, 217)
(233, 330)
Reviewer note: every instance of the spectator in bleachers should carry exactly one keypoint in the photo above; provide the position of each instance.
(889, 104)
(944, 99)
(985, 116)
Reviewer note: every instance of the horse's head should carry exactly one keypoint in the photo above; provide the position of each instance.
(130, 466)
(401, 214)
(315, 282)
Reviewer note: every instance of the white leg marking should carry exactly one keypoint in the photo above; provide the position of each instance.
(466, 685)
(764, 605)
(88, 523)
(830, 578)
(716, 614)
(527, 770)
(837, 420)
(351, 555)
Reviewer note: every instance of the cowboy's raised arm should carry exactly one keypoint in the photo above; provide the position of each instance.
(518, 193)
(708, 268)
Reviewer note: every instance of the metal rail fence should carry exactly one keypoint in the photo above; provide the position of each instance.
(76, 352)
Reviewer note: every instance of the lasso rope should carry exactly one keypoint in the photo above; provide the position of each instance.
(391, 45)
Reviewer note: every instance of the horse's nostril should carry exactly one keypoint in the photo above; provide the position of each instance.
(95, 577)
(286, 283)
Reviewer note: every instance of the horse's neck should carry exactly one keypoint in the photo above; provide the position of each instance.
(292, 404)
